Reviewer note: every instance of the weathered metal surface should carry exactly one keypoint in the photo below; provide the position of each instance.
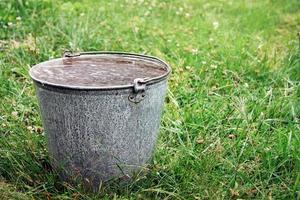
(96, 135)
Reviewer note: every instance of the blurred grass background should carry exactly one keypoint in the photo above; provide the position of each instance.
(230, 128)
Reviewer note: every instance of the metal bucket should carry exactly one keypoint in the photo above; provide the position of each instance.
(101, 112)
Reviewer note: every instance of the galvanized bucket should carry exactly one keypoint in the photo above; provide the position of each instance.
(101, 112)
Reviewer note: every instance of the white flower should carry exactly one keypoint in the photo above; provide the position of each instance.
(136, 29)
(216, 25)
(187, 14)
(214, 66)
(147, 13)
(194, 51)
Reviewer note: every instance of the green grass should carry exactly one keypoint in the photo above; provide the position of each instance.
(231, 124)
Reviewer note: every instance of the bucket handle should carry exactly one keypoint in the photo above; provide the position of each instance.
(70, 54)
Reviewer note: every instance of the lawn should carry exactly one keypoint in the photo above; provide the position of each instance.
(231, 123)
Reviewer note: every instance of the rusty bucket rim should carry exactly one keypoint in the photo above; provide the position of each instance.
(113, 87)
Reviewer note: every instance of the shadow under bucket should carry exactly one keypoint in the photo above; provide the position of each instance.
(101, 112)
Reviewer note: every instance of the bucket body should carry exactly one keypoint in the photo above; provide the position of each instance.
(97, 135)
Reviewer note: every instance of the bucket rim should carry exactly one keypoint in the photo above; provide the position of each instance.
(149, 81)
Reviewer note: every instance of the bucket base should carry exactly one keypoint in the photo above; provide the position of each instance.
(94, 183)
